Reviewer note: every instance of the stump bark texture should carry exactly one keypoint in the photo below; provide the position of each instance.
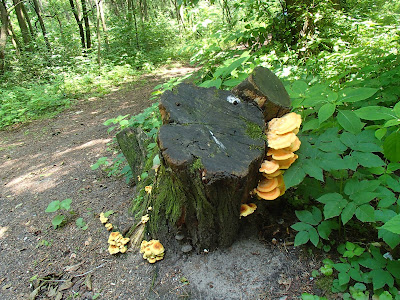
(265, 88)
(211, 144)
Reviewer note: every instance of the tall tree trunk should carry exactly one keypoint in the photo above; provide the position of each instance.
(131, 13)
(39, 15)
(98, 33)
(87, 26)
(3, 36)
(28, 21)
(103, 22)
(22, 24)
(79, 22)
(11, 32)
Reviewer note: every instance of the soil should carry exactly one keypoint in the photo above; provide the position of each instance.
(50, 160)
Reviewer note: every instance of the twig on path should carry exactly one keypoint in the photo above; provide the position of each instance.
(91, 270)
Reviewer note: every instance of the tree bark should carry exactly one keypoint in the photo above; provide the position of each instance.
(28, 21)
(98, 33)
(103, 22)
(79, 22)
(22, 24)
(211, 146)
(264, 87)
(87, 26)
(3, 36)
(42, 26)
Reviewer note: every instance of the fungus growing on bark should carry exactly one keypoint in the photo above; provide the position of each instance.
(285, 164)
(272, 195)
(272, 175)
(247, 209)
(269, 166)
(108, 226)
(280, 141)
(267, 185)
(152, 250)
(280, 154)
(288, 123)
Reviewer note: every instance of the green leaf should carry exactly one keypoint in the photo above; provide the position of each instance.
(297, 89)
(310, 125)
(314, 237)
(331, 197)
(334, 208)
(300, 226)
(396, 109)
(325, 112)
(108, 213)
(380, 278)
(301, 238)
(356, 94)
(390, 238)
(365, 213)
(363, 197)
(306, 217)
(53, 206)
(66, 204)
(348, 212)
(349, 121)
(81, 224)
(344, 278)
(393, 266)
(393, 225)
(57, 220)
(326, 227)
(373, 113)
(380, 133)
(391, 147)
(294, 175)
(368, 160)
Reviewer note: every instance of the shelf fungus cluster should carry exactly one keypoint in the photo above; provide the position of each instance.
(104, 220)
(152, 250)
(247, 209)
(282, 143)
(117, 243)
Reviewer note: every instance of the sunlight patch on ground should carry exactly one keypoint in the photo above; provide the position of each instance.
(3, 231)
(92, 143)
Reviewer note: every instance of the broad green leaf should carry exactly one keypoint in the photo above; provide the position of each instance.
(313, 170)
(66, 204)
(380, 278)
(314, 237)
(396, 109)
(108, 213)
(297, 89)
(348, 212)
(310, 125)
(363, 197)
(325, 112)
(391, 147)
(356, 94)
(390, 123)
(393, 266)
(53, 206)
(373, 113)
(57, 220)
(326, 227)
(368, 160)
(300, 226)
(393, 225)
(334, 208)
(390, 238)
(365, 213)
(301, 238)
(331, 197)
(306, 217)
(370, 263)
(294, 175)
(355, 274)
(349, 121)
(380, 133)
(212, 83)
(344, 278)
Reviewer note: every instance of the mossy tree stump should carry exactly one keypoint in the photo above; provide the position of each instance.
(211, 146)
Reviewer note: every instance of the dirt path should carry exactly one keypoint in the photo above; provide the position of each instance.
(50, 160)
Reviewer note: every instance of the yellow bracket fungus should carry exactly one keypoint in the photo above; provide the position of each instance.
(152, 250)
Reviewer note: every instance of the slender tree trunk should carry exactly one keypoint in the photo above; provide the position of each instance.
(103, 22)
(79, 22)
(131, 13)
(28, 21)
(22, 24)
(87, 26)
(11, 32)
(3, 36)
(39, 15)
(98, 33)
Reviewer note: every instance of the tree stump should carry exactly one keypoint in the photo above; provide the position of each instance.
(211, 146)
(265, 88)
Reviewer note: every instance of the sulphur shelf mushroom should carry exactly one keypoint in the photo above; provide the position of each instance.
(247, 209)
(103, 219)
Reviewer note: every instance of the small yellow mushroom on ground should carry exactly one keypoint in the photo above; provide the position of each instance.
(145, 218)
(108, 226)
(148, 189)
(152, 250)
(117, 243)
(103, 219)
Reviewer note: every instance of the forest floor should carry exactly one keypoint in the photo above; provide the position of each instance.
(49, 160)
